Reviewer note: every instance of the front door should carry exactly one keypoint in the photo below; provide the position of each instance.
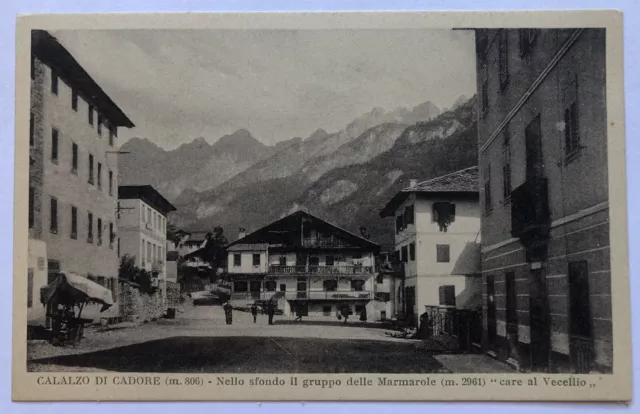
(580, 331)
(255, 286)
(491, 314)
(539, 321)
(410, 300)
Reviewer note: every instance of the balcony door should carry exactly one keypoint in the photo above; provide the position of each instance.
(301, 288)
(314, 262)
(533, 138)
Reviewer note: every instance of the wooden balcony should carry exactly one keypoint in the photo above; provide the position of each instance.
(324, 242)
(329, 295)
(321, 270)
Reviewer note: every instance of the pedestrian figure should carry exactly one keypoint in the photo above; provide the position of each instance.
(345, 313)
(228, 313)
(254, 311)
(299, 312)
(271, 310)
(363, 315)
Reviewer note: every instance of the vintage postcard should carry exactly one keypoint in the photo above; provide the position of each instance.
(321, 206)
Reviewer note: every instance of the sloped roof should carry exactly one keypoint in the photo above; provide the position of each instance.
(256, 236)
(148, 194)
(248, 247)
(462, 181)
(197, 237)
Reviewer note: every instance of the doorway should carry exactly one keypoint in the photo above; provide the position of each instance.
(580, 330)
(491, 314)
(512, 316)
(539, 321)
(255, 287)
(410, 301)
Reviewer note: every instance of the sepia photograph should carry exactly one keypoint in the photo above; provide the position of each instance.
(319, 200)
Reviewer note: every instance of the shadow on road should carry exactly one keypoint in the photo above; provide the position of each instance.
(355, 324)
(255, 355)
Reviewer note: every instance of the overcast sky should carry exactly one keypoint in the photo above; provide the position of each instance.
(177, 85)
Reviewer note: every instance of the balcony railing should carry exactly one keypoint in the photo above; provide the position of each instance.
(328, 295)
(530, 208)
(323, 242)
(324, 270)
(305, 295)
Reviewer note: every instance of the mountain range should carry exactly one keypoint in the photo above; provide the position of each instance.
(345, 177)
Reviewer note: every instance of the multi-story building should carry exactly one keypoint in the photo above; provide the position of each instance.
(544, 195)
(72, 175)
(143, 230)
(437, 238)
(315, 267)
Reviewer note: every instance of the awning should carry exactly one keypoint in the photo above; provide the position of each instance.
(72, 288)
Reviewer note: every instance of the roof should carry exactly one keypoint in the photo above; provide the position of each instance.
(248, 247)
(197, 237)
(148, 194)
(49, 50)
(459, 182)
(254, 237)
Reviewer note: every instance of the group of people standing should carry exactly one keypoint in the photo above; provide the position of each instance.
(270, 309)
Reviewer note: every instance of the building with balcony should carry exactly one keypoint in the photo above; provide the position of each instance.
(143, 230)
(312, 266)
(437, 240)
(544, 194)
(72, 175)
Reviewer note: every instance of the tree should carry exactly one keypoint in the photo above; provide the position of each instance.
(214, 251)
(132, 273)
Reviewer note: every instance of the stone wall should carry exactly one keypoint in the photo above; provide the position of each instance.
(173, 294)
(136, 306)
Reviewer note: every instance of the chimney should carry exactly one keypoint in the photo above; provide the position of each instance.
(413, 182)
(241, 233)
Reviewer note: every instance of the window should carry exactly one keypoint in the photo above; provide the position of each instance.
(100, 175)
(90, 169)
(326, 310)
(579, 300)
(484, 89)
(90, 115)
(110, 182)
(99, 233)
(571, 121)
(512, 298)
(283, 260)
(30, 288)
(330, 285)
(487, 190)
(408, 215)
(142, 255)
(447, 295)
(444, 213)
(74, 222)
(149, 258)
(270, 285)
(100, 121)
(357, 285)
(112, 134)
(237, 260)
(329, 261)
(527, 39)
(54, 82)
(379, 278)
(89, 228)
(74, 100)
(31, 208)
(442, 253)
(506, 173)
(32, 139)
(399, 223)
(503, 58)
(53, 226)
(403, 255)
(256, 259)
(412, 252)
(74, 158)
(54, 145)
(111, 235)
(283, 287)
(240, 286)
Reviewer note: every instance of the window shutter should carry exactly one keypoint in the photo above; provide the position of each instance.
(453, 212)
(447, 295)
